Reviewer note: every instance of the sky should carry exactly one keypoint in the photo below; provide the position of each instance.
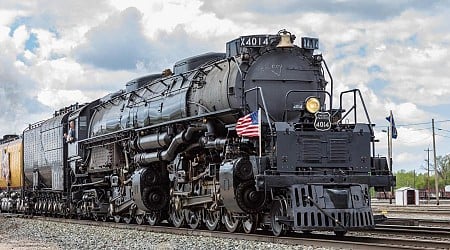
(56, 53)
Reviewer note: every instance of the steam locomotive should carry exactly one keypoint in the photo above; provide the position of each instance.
(245, 139)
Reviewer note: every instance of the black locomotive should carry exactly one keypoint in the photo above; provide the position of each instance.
(245, 139)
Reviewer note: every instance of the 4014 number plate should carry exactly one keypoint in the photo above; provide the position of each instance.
(322, 121)
(254, 41)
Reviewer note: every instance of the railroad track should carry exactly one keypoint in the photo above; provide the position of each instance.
(435, 232)
(444, 213)
(416, 222)
(369, 241)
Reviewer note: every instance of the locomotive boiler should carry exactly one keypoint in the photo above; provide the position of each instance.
(251, 138)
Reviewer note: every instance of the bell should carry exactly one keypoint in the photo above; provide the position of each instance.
(285, 40)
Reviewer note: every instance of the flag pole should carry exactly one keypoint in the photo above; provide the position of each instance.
(259, 132)
(390, 134)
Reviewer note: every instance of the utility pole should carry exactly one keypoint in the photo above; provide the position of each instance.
(390, 151)
(428, 175)
(436, 179)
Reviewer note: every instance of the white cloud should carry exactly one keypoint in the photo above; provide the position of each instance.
(20, 35)
(8, 16)
(50, 46)
(414, 161)
(409, 112)
(61, 98)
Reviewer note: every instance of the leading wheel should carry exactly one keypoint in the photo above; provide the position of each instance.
(250, 223)
(231, 223)
(212, 220)
(278, 210)
(117, 218)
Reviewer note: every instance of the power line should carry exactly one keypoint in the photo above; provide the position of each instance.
(443, 129)
(443, 136)
(413, 124)
(416, 141)
(442, 121)
(421, 123)
(412, 129)
(419, 129)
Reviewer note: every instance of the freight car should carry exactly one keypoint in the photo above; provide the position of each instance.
(247, 139)
(11, 177)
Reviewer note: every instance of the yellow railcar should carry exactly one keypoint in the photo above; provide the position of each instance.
(11, 167)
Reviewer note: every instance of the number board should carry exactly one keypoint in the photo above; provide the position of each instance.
(254, 41)
(322, 121)
(310, 43)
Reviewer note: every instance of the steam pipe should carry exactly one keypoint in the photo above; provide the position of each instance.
(169, 153)
(218, 143)
(153, 141)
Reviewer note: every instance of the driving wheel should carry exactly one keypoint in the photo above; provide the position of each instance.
(212, 220)
(278, 210)
(153, 218)
(231, 223)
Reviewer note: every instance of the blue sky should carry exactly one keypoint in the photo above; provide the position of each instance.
(55, 53)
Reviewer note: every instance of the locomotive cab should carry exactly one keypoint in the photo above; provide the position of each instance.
(79, 119)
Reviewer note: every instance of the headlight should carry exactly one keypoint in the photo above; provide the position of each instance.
(312, 104)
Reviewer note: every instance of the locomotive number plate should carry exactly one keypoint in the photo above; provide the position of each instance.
(322, 121)
(254, 41)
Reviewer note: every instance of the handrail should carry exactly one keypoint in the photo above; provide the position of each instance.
(331, 82)
(354, 91)
(302, 91)
(353, 108)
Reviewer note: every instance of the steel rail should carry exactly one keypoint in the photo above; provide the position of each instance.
(439, 232)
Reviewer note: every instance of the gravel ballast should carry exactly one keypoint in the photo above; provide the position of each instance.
(19, 233)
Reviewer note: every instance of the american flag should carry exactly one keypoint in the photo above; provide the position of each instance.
(390, 119)
(248, 125)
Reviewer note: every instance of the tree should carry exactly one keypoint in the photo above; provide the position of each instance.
(412, 179)
(443, 168)
(404, 179)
